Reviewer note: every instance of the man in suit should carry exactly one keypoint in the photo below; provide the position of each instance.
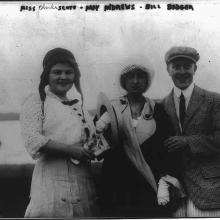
(195, 116)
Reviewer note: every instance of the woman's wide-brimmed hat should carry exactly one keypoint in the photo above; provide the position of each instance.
(104, 105)
(146, 69)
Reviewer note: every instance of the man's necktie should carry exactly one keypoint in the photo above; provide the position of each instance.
(182, 109)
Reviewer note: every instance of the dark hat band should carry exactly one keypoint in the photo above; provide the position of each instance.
(181, 56)
(56, 60)
(182, 52)
(58, 55)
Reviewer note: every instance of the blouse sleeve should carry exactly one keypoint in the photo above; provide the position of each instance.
(103, 122)
(31, 120)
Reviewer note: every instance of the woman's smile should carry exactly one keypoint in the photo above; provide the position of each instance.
(61, 79)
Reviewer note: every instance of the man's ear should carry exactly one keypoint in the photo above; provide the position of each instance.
(168, 68)
(195, 67)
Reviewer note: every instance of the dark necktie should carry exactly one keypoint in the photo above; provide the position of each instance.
(72, 102)
(182, 109)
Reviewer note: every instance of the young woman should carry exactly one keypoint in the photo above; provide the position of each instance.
(133, 169)
(55, 127)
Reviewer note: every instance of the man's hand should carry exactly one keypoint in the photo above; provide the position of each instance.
(175, 143)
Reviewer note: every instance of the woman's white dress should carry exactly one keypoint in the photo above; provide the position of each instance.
(59, 188)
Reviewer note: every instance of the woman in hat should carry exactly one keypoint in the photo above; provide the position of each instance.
(57, 131)
(136, 172)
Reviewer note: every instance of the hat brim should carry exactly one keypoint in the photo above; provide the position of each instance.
(181, 56)
(103, 105)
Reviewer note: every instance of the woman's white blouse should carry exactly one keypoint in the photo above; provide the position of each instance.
(60, 123)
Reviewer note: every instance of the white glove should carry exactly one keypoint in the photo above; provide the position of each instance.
(163, 195)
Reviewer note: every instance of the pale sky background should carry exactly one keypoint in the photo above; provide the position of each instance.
(103, 43)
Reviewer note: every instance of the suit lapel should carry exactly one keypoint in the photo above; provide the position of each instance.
(194, 104)
(171, 111)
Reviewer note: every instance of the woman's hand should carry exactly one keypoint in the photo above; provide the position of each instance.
(76, 151)
(80, 153)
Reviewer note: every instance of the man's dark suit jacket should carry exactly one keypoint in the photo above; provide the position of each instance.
(201, 158)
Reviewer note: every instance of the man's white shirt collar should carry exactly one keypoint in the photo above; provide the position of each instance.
(186, 92)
